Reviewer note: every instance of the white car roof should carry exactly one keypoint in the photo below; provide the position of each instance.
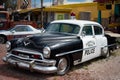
(25, 25)
(28, 26)
(22, 25)
(74, 21)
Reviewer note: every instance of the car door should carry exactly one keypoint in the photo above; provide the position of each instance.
(89, 43)
(101, 40)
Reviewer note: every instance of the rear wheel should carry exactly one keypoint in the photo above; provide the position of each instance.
(105, 52)
(2, 40)
(63, 65)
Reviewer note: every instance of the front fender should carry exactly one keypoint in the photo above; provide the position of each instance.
(67, 48)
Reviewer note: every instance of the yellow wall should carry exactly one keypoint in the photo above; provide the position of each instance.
(92, 9)
(85, 7)
(105, 13)
(82, 7)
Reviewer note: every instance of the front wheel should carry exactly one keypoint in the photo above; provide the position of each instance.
(63, 65)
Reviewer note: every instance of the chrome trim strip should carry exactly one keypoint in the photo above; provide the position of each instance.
(111, 45)
(70, 52)
(60, 38)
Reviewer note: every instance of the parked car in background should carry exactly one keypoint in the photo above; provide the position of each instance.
(64, 44)
(17, 32)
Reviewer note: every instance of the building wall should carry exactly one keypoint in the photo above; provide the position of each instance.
(64, 12)
(88, 8)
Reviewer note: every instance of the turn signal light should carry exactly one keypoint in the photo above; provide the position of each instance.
(36, 56)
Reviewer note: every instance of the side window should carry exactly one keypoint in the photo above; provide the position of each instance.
(27, 28)
(98, 30)
(87, 30)
(20, 29)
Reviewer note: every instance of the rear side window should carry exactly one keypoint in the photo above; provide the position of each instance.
(27, 28)
(98, 30)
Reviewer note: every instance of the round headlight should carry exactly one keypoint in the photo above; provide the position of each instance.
(46, 52)
(8, 45)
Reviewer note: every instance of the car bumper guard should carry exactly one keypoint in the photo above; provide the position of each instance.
(44, 66)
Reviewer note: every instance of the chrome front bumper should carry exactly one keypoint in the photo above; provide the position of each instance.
(44, 66)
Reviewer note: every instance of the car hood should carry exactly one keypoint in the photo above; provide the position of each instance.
(48, 39)
(5, 32)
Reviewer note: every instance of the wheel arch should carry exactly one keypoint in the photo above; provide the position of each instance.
(69, 64)
(71, 59)
(68, 56)
(2, 35)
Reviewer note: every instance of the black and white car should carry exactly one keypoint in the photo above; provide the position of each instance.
(17, 32)
(64, 44)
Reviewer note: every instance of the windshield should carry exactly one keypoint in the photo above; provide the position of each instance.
(63, 28)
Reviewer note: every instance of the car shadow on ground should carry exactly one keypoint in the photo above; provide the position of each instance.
(98, 59)
(21, 74)
(86, 64)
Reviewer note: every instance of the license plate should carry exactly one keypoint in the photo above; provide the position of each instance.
(24, 56)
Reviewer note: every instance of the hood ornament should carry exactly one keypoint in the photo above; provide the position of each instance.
(26, 43)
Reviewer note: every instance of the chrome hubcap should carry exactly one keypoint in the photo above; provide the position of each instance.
(62, 65)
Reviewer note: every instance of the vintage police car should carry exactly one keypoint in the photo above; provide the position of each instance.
(65, 43)
(17, 32)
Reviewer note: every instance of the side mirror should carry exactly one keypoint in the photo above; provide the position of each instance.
(83, 33)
